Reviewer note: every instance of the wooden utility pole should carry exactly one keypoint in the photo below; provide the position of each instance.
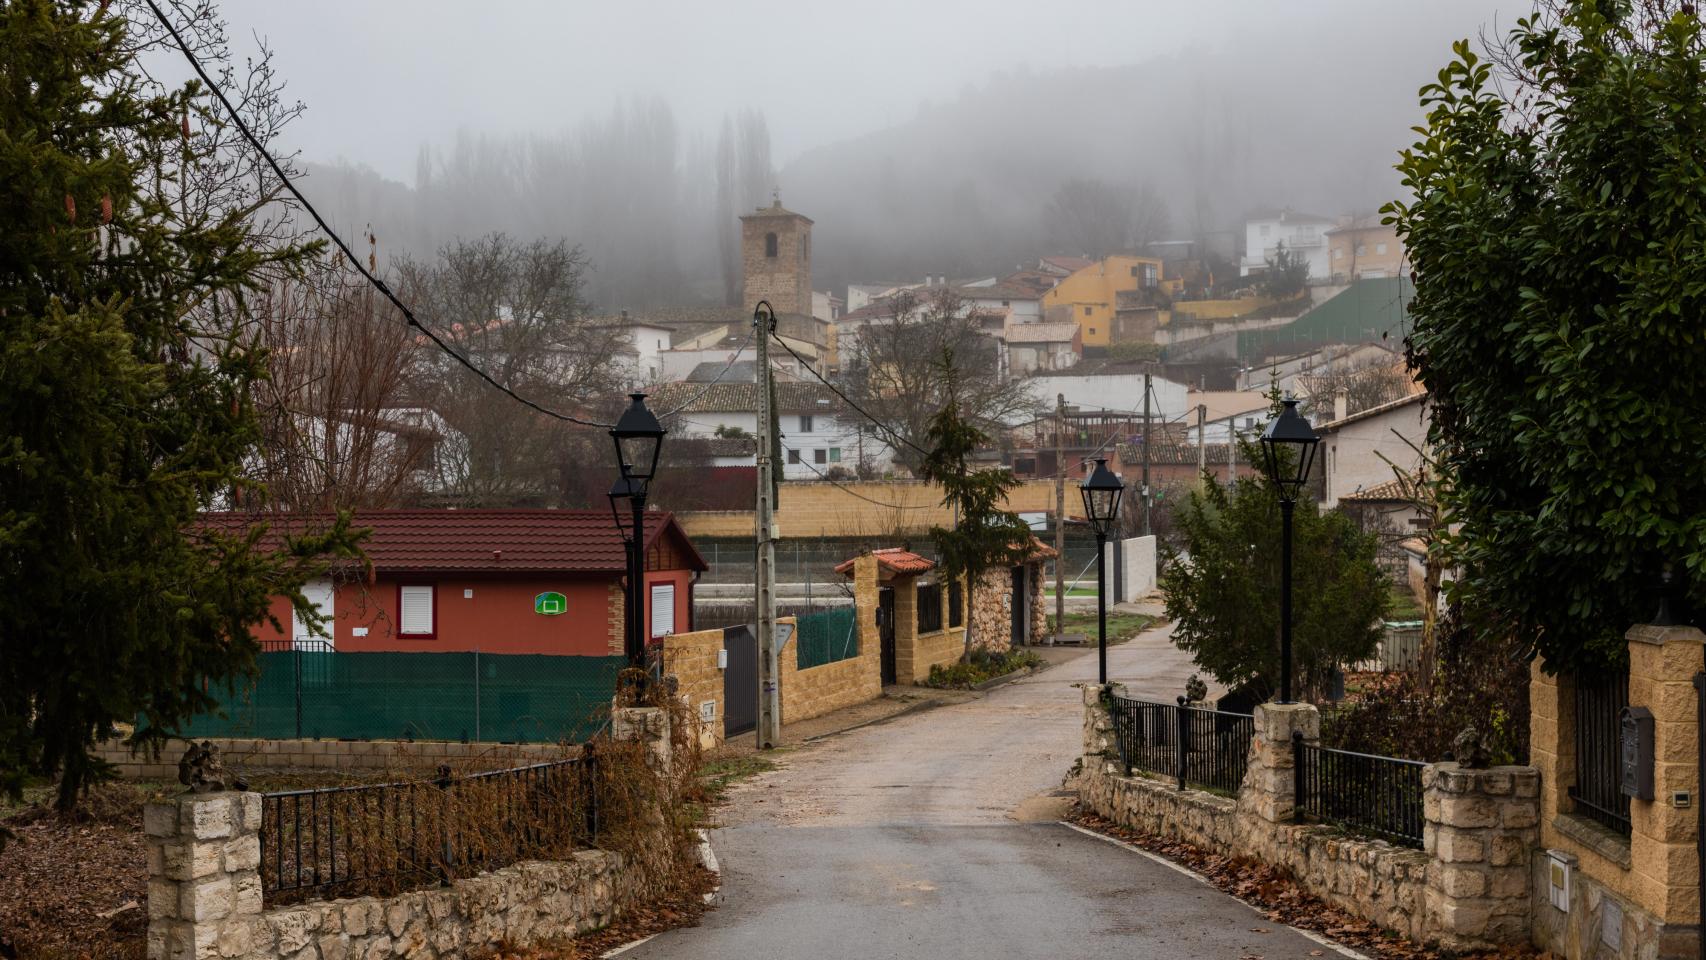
(1146, 438)
(1231, 449)
(769, 699)
(1202, 441)
(1059, 515)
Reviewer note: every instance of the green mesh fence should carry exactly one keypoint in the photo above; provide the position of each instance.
(516, 698)
(825, 638)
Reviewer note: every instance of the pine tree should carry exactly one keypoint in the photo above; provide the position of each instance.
(125, 405)
(984, 536)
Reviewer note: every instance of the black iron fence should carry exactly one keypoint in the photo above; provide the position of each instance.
(1190, 744)
(929, 608)
(1360, 791)
(382, 838)
(1597, 791)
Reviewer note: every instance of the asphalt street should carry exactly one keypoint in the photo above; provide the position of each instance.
(936, 835)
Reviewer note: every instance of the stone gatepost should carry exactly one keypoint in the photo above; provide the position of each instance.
(204, 880)
(1270, 780)
(648, 726)
(1100, 750)
(1480, 827)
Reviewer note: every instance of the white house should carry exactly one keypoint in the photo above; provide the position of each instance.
(1358, 452)
(818, 434)
(1304, 234)
(1041, 347)
(648, 342)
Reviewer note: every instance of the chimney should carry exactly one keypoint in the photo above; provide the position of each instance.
(1341, 404)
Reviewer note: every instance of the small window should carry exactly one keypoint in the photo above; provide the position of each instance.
(415, 611)
(1088, 311)
(793, 456)
(1338, 253)
(1092, 331)
(956, 605)
(1005, 303)
(929, 608)
(1380, 248)
(663, 609)
(834, 454)
(1264, 229)
(805, 424)
(820, 456)
(1134, 271)
(1362, 249)
(770, 245)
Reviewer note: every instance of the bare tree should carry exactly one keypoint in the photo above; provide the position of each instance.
(515, 311)
(1150, 219)
(893, 370)
(1367, 384)
(339, 431)
(744, 177)
(1091, 217)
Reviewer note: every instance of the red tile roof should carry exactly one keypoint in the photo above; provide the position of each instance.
(487, 541)
(895, 560)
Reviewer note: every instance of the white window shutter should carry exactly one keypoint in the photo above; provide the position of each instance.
(663, 609)
(319, 594)
(416, 615)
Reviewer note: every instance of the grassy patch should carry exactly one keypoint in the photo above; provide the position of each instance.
(1121, 626)
(1405, 606)
(721, 774)
(983, 665)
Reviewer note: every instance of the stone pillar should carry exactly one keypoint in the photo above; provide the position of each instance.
(906, 630)
(1662, 664)
(1270, 779)
(204, 880)
(648, 726)
(1100, 749)
(1480, 827)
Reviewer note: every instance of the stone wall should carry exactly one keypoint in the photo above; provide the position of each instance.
(402, 756)
(815, 509)
(1468, 888)
(1630, 896)
(691, 660)
(832, 686)
(992, 607)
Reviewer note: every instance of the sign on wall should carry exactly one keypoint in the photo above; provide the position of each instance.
(550, 604)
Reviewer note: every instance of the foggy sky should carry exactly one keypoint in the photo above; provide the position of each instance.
(382, 78)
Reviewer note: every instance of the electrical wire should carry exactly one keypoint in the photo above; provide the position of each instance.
(718, 379)
(894, 436)
(852, 492)
(326, 228)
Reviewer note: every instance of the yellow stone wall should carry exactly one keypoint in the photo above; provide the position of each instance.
(818, 509)
(692, 659)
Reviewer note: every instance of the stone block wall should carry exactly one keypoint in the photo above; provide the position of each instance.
(1637, 895)
(401, 756)
(691, 659)
(832, 686)
(1468, 889)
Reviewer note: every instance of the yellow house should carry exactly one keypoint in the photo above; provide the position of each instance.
(1089, 295)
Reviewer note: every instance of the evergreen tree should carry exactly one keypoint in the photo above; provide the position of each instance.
(984, 536)
(125, 405)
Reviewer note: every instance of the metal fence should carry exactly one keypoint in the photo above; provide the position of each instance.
(1360, 791)
(388, 837)
(1597, 791)
(826, 637)
(1210, 748)
(929, 608)
(311, 690)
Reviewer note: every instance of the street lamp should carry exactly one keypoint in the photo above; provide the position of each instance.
(1102, 492)
(638, 437)
(1288, 447)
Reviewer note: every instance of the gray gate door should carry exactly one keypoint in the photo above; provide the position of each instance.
(740, 681)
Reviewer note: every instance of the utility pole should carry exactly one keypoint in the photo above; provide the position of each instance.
(1202, 441)
(1146, 382)
(769, 693)
(1059, 515)
(1231, 449)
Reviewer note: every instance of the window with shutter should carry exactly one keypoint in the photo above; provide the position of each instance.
(663, 609)
(415, 611)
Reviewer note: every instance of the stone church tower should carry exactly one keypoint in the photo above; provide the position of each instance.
(776, 259)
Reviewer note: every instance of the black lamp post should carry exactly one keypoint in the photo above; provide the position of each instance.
(1289, 471)
(1102, 492)
(638, 436)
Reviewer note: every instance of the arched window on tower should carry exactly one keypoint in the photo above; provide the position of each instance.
(770, 245)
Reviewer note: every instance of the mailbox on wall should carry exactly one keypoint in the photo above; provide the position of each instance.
(1635, 766)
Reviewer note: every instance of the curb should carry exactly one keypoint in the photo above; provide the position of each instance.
(1007, 678)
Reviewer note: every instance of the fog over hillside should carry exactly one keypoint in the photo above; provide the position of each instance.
(1310, 116)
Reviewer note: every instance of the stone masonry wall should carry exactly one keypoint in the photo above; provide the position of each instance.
(403, 756)
(1467, 889)
(991, 610)
(691, 659)
(819, 690)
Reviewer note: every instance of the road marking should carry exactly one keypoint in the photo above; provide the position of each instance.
(618, 951)
(1338, 948)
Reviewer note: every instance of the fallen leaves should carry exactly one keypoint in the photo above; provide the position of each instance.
(72, 886)
(1283, 901)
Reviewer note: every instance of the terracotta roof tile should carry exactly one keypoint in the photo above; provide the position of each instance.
(895, 560)
(573, 541)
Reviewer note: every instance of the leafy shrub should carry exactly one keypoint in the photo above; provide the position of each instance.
(983, 664)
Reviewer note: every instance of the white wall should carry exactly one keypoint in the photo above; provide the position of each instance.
(1306, 238)
(1121, 392)
(1138, 554)
(837, 438)
(1351, 454)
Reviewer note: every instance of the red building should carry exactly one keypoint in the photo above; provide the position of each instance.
(497, 581)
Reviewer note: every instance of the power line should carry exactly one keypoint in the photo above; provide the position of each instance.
(326, 228)
(849, 490)
(715, 380)
(846, 399)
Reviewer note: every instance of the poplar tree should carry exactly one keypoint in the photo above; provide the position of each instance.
(126, 376)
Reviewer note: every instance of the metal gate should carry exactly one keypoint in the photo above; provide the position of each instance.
(1021, 615)
(885, 632)
(740, 681)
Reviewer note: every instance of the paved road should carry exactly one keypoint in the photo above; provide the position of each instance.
(934, 836)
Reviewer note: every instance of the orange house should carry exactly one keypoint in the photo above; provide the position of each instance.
(496, 581)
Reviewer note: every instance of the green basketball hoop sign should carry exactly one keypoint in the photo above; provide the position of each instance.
(550, 604)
